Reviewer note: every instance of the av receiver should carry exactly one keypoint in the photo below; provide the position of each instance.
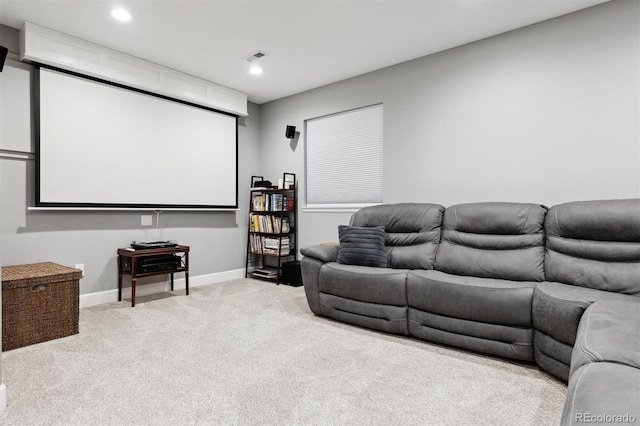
(165, 262)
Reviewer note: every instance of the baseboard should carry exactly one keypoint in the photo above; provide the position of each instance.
(3, 397)
(108, 296)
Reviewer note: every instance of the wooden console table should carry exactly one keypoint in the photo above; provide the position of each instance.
(129, 264)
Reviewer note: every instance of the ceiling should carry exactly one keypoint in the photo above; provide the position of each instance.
(310, 43)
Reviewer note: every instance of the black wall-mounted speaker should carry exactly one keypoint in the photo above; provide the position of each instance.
(291, 132)
(3, 56)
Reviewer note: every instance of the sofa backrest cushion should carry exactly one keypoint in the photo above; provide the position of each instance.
(595, 244)
(493, 240)
(412, 231)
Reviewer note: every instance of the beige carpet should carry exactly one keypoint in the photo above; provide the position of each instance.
(251, 352)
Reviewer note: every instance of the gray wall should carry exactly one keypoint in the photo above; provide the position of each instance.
(217, 239)
(546, 114)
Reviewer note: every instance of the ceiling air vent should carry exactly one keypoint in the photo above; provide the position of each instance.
(256, 55)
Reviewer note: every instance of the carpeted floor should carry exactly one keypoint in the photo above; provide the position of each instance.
(250, 352)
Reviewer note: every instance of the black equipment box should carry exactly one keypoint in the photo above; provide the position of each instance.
(165, 262)
(141, 245)
(291, 273)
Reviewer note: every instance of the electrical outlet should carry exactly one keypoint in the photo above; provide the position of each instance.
(146, 220)
(81, 267)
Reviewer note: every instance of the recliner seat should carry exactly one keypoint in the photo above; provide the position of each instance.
(369, 297)
(479, 297)
(374, 297)
(592, 253)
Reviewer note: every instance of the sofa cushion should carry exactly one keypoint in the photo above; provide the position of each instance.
(502, 340)
(552, 355)
(493, 240)
(609, 331)
(557, 308)
(486, 300)
(384, 286)
(362, 246)
(603, 393)
(387, 318)
(595, 244)
(412, 231)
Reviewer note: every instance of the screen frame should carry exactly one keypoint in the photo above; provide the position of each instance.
(61, 205)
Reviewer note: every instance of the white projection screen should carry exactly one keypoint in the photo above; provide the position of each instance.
(105, 146)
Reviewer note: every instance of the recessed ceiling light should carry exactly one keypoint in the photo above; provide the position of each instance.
(255, 69)
(121, 15)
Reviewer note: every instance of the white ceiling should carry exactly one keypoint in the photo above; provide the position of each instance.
(310, 43)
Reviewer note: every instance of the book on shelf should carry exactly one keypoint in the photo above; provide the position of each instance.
(266, 272)
(275, 203)
(272, 203)
(269, 224)
(256, 244)
(276, 246)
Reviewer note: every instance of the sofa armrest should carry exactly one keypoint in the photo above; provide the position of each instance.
(609, 331)
(322, 253)
(314, 258)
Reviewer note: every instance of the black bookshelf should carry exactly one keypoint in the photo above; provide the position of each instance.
(272, 228)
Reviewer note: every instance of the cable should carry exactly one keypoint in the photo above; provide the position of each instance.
(158, 224)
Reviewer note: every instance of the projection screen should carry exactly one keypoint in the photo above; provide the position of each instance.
(102, 145)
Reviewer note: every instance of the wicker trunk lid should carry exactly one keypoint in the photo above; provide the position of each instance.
(40, 302)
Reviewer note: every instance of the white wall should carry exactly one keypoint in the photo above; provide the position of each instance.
(217, 239)
(547, 114)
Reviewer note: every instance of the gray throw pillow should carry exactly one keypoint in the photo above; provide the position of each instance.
(362, 246)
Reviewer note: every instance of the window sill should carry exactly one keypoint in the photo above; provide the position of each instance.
(334, 208)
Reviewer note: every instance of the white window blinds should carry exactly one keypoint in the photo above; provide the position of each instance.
(344, 158)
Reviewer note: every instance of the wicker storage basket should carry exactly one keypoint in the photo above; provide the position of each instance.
(40, 302)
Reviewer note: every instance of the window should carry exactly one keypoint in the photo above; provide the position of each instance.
(344, 158)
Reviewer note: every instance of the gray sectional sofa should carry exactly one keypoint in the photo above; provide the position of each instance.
(507, 279)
